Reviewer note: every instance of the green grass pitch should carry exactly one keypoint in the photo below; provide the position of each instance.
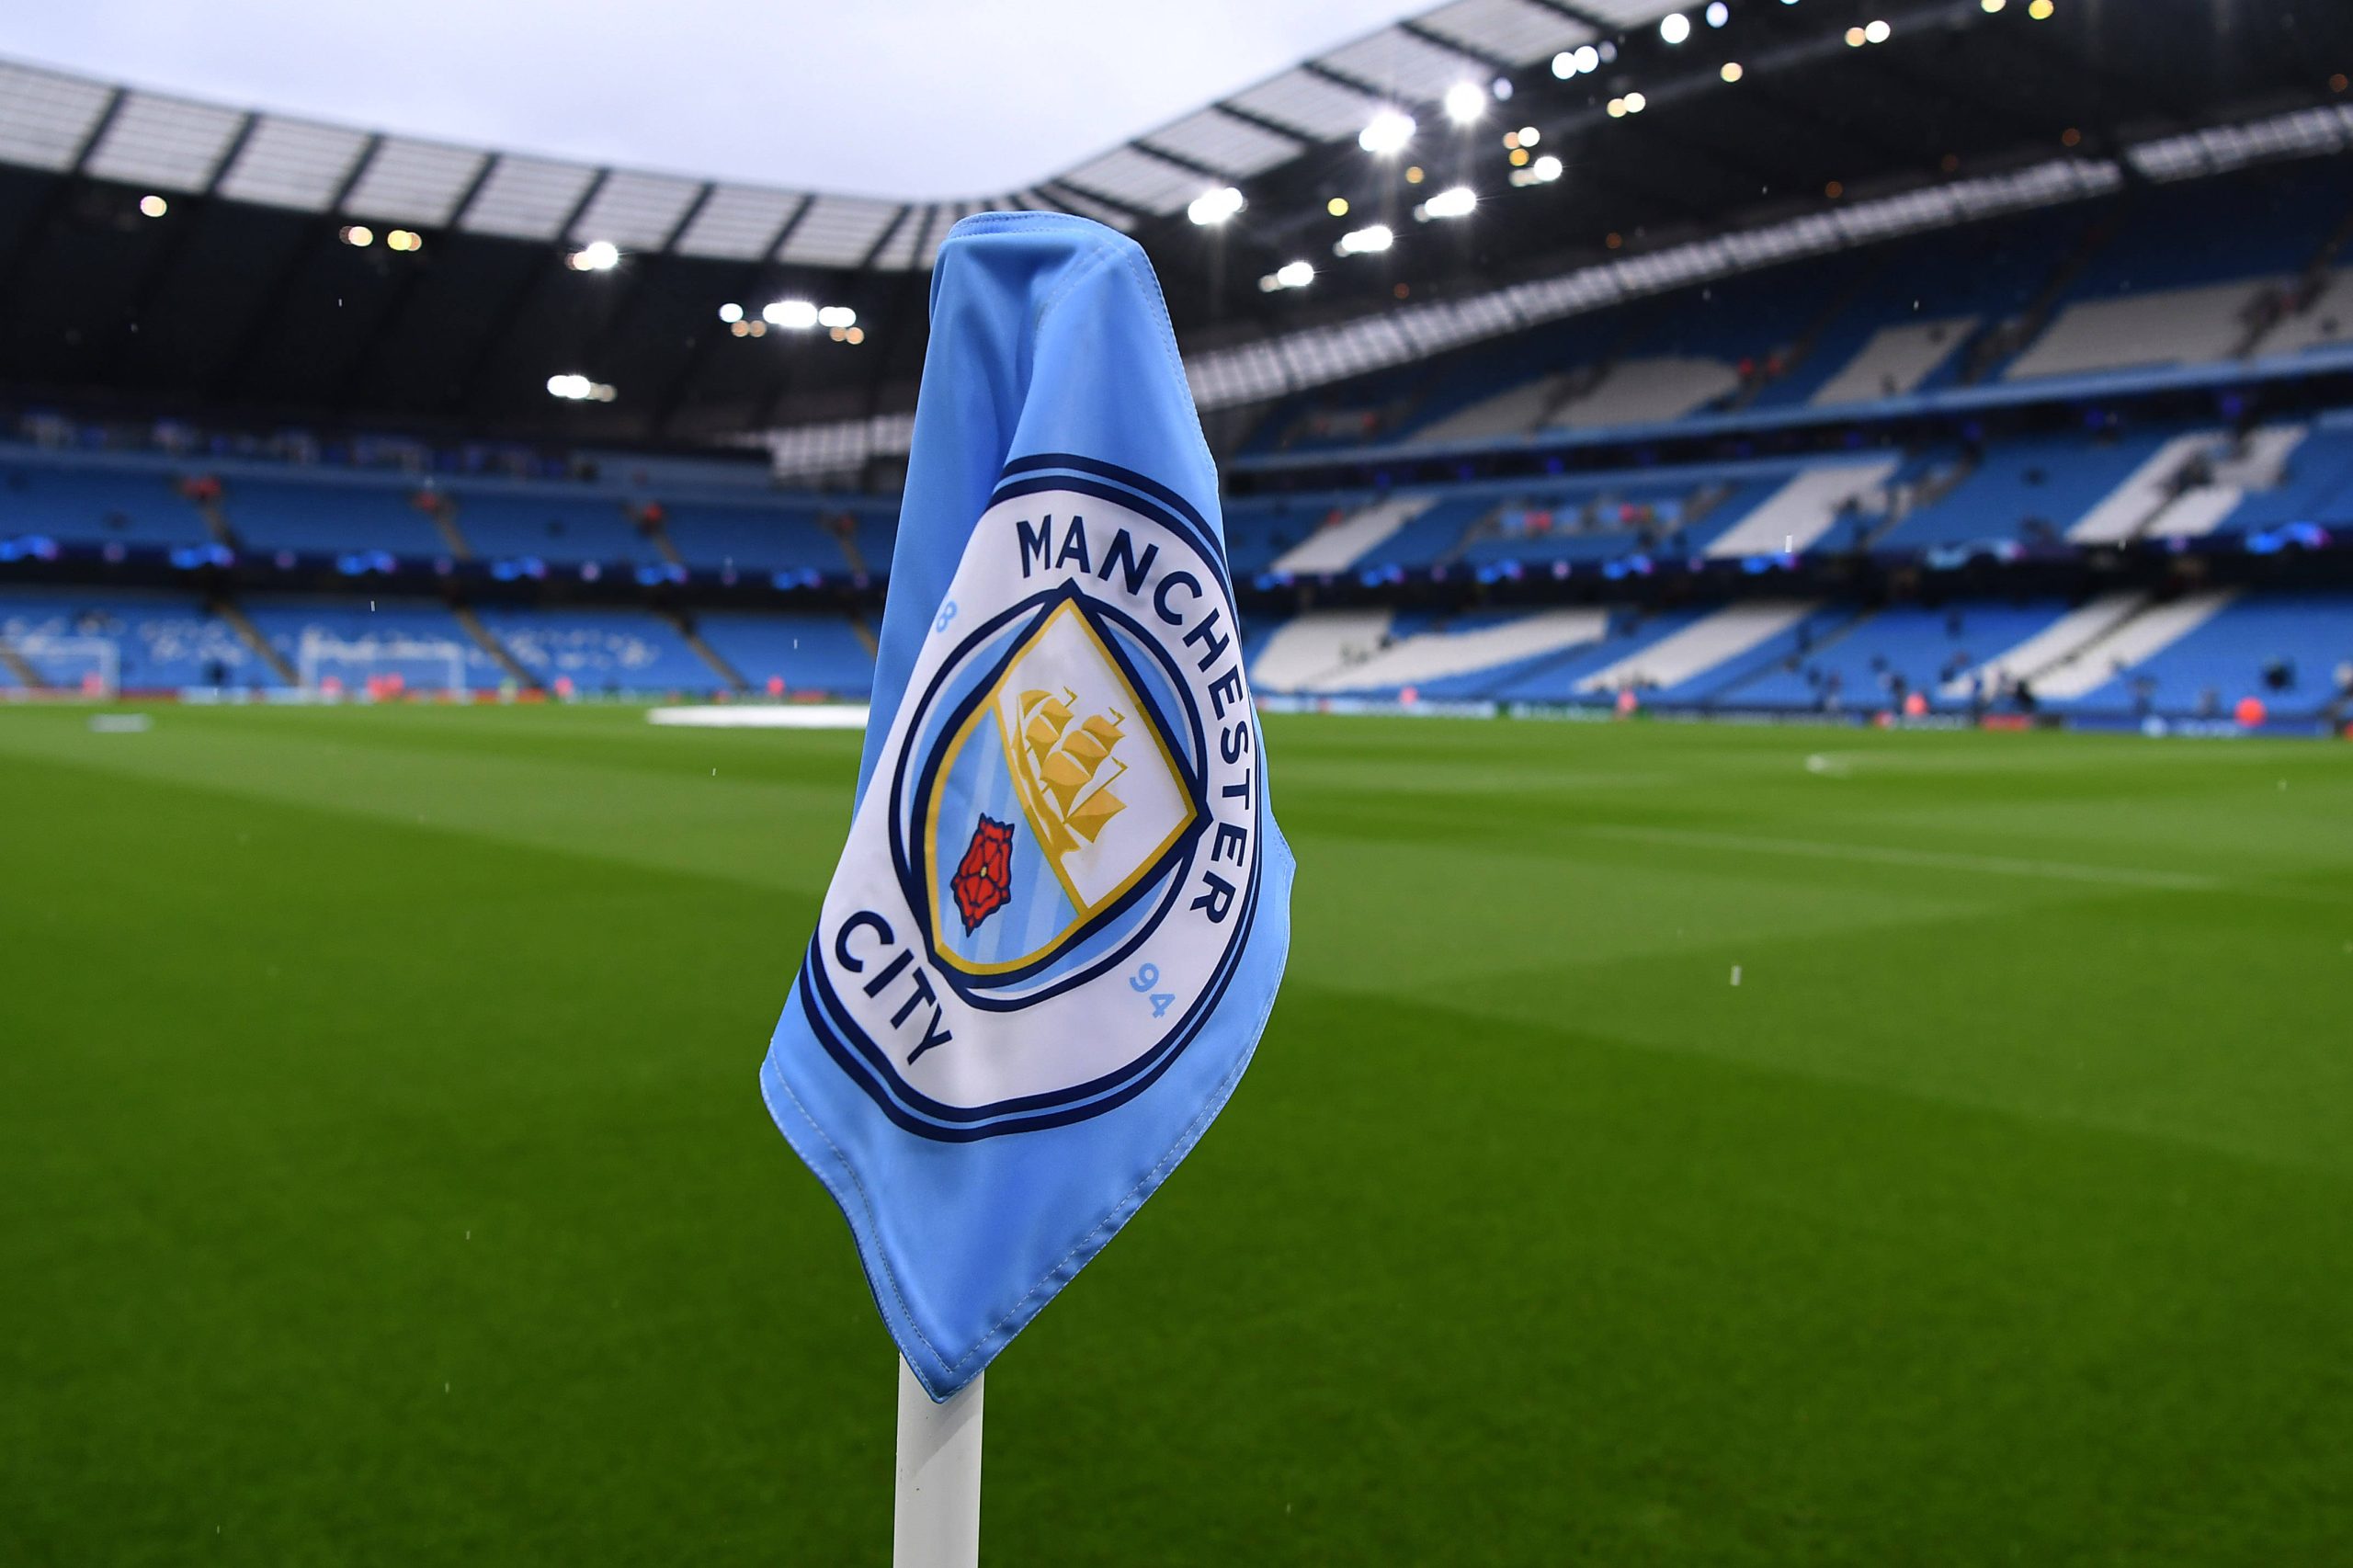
(384, 1179)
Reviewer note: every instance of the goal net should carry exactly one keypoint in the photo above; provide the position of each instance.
(90, 666)
(378, 666)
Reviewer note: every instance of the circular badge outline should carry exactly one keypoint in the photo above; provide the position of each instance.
(873, 1069)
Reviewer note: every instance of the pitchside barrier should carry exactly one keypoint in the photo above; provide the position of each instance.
(2152, 725)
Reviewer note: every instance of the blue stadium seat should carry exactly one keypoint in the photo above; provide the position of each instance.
(808, 653)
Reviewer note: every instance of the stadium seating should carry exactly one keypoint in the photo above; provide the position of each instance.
(807, 653)
(550, 525)
(751, 535)
(97, 505)
(600, 650)
(2032, 488)
(353, 640)
(2315, 483)
(308, 515)
(2182, 277)
(161, 641)
(2298, 641)
(1904, 648)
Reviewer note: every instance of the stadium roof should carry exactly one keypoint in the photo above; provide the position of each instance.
(246, 292)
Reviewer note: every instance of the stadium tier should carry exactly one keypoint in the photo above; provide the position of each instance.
(2211, 274)
(70, 638)
(2120, 654)
(797, 653)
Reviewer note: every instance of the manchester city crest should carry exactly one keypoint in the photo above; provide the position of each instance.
(1051, 873)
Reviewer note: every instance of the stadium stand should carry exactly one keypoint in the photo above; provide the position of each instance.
(803, 653)
(353, 640)
(268, 513)
(751, 535)
(98, 504)
(161, 641)
(599, 649)
(2283, 649)
(2137, 365)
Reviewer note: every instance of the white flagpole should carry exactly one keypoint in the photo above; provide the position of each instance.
(936, 1520)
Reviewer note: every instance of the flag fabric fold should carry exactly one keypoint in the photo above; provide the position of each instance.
(1058, 924)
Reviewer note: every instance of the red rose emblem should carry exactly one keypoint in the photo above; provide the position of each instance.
(983, 880)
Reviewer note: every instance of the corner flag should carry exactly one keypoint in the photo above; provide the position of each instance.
(1060, 919)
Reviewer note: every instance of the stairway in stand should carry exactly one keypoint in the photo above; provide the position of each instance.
(489, 643)
(704, 650)
(250, 635)
(13, 663)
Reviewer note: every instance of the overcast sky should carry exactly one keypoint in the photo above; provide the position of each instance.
(896, 97)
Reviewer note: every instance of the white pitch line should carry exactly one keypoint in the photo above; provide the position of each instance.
(1936, 860)
(762, 716)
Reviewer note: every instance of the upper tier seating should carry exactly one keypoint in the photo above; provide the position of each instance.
(752, 536)
(2182, 277)
(555, 527)
(100, 504)
(316, 517)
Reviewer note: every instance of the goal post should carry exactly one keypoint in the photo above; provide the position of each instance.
(90, 666)
(378, 663)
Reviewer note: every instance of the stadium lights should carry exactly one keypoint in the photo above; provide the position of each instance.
(1632, 103)
(1718, 13)
(1543, 171)
(731, 313)
(1454, 203)
(1855, 38)
(1732, 71)
(1529, 136)
(1992, 7)
(1213, 207)
(2040, 10)
(154, 205)
(1388, 133)
(579, 389)
(1464, 103)
(1675, 26)
(405, 240)
(793, 315)
(837, 318)
(1290, 274)
(596, 256)
(1337, 207)
(1877, 31)
(357, 235)
(1364, 242)
(1576, 61)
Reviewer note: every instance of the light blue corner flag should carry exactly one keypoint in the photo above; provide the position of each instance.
(1059, 923)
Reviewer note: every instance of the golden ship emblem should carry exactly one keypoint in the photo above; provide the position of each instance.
(1066, 770)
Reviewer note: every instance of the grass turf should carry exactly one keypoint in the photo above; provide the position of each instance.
(384, 1179)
